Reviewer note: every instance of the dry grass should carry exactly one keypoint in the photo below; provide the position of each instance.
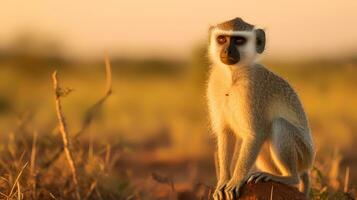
(51, 178)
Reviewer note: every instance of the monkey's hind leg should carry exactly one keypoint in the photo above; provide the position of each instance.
(284, 153)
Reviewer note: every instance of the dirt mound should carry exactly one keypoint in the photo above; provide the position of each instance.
(264, 190)
(251, 191)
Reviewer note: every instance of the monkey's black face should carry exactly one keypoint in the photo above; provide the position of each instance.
(229, 54)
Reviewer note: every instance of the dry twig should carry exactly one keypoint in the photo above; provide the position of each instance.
(16, 180)
(91, 189)
(64, 132)
(33, 164)
(91, 112)
(347, 177)
(271, 192)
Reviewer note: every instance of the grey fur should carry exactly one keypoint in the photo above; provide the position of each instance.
(236, 24)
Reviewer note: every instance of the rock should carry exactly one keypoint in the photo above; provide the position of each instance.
(251, 191)
(263, 191)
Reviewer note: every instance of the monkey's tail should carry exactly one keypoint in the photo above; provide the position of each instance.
(305, 183)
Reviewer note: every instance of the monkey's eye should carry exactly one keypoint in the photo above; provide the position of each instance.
(240, 40)
(221, 39)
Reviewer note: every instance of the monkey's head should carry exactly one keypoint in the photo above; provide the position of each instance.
(235, 42)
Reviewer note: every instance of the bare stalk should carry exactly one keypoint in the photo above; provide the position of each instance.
(91, 189)
(16, 180)
(347, 177)
(107, 156)
(271, 192)
(91, 112)
(33, 154)
(64, 132)
(19, 193)
(33, 164)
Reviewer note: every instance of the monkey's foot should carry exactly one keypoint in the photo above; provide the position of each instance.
(218, 193)
(259, 176)
(263, 176)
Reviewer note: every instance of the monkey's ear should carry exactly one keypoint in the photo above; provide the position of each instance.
(260, 40)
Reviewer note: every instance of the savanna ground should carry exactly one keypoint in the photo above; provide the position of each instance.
(150, 138)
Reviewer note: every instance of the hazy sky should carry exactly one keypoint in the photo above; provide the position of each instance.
(172, 27)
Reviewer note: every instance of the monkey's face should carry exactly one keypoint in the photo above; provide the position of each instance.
(230, 48)
(233, 47)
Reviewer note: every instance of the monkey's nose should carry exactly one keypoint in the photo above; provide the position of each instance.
(227, 52)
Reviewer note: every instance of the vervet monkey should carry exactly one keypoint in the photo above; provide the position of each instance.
(256, 109)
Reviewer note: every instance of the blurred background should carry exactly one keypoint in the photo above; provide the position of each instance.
(155, 121)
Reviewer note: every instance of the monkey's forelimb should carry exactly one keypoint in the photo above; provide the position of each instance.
(225, 141)
(248, 154)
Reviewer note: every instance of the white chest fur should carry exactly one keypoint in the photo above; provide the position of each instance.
(237, 110)
(228, 102)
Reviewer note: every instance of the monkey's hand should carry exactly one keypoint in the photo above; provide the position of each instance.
(233, 187)
(218, 193)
